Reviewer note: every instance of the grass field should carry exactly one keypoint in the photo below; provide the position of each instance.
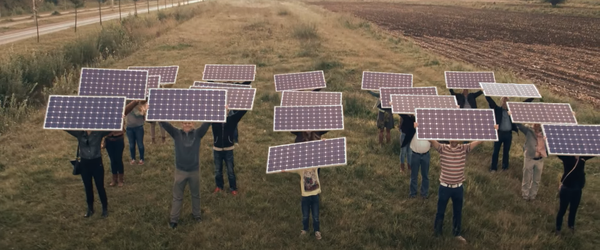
(364, 205)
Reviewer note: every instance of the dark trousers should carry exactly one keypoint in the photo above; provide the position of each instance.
(235, 135)
(136, 136)
(93, 169)
(219, 157)
(310, 204)
(568, 196)
(115, 148)
(506, 139)
(445, 194)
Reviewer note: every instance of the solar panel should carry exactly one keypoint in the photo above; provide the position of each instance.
(237, 98)
(385, 93)
(153, 83)
(85, 113)
(300, 81)
(510, 90)
(542, 113)
(467, 80)
(223, 72)
(377, 80)
(309, 118)
(220, 85)
(579, 140)
(113, 82)
(168, 74)
(456, 124)
(406, 104)
(303, 98)
(190, 105)
(305, 155)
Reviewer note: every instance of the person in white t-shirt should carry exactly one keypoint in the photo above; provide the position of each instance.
(419, 160)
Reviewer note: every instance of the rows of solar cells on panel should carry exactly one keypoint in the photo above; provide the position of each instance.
(113, 82)
(85, 113)
(309, 118)
(542, 113)
(467, 80)
(224, 72)
(153, 83)
(510, 90)
(168, 74)
(406, 104)
(309, 98)
(313, 154)
(385, 93)
(300, 81)
(377, 80)
(580, 140)
(220, 85)
(456, 124)
(192, 105)
(237, 98)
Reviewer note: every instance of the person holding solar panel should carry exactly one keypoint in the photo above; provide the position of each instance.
(570, 189)
(534, 151)
(223, 134)
(466, 100)
(385, 119)
(135, 130)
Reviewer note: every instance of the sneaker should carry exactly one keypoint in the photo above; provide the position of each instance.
(318, 235)
(234, 193)
(132, 162)
(217, 190)
(461, 239)
(141, 162)
(302, 233)
(173, 225)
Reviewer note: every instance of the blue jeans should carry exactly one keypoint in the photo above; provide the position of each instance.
(506, 138)
(310, 204)
(219, 157)
(421, 160)
(115, 148)
(136, 136)
(445, 194)
(405, 152)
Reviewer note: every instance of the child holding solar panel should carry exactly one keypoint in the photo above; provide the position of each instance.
(223, 150)
(135, 130)
(385, 119)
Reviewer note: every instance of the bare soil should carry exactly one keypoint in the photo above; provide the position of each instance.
(561, 52)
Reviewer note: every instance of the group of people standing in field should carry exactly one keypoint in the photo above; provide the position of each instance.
(453, 157)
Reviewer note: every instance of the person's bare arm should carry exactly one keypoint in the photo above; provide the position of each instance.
(474, 144)
(130, 106)
(435, 144)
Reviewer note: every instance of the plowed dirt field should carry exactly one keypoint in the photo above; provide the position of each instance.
(560, 52)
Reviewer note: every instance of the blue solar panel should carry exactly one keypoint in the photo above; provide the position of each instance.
(581, 140)
(191, 105)
(456, 124)
(168, 74)
(84, 113)
(113, 82)
(309, 118)
(313, 154)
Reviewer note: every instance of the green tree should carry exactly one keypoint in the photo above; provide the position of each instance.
(77, 4)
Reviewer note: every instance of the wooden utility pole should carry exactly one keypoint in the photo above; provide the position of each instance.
(134, 6)
(100, 11)
(120, 19)
(37, 27)
(148, 2)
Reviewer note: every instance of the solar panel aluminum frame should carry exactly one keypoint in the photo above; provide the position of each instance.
(225, 85)
(362, 82)
(521, 96)
(161, 83)
(145, 85)
(446, 139)
(237, 80)
(446, 77)
(413, 113)
(253, 95)
(316, 141)
(85, 129)
(175, 89)
(315, 93)
(388, 105)
(322, 73)
(294, 130)
(541, 123)
(571, 125)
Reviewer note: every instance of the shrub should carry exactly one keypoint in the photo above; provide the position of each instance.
(305, 31)
(554, 2)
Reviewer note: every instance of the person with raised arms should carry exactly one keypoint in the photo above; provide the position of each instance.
(385, 120)
(466, 100)
(115, 144)
(534, 152)
(570, 189)
(223, 150)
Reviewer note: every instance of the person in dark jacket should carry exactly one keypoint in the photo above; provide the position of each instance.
(223, 150)
(467, 100)
(407, 132)
(572, 183)
(187, 167)
(505, 129)
(90, 152)
(385, 120)
(235, 132)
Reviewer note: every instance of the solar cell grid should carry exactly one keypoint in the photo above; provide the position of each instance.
(223, 72)
(153, 83)
(237, 98)
(302, 98)
(406, 104)
(308, 118)
(467, 80)
(300, 81)
(528, 90)
(220, 85)
(385, 93)
(456, 124)
(113, 82)
(510, 90)
(191, 105)
(377, 80)
(305, 155)
(85, 113)
(168, 74)
(577, 140)
(542, 113)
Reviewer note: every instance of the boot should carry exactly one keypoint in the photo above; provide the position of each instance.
(114, 180)
(104, 211)
(408, 166)
(121, 180)
(402, 167)
(380, 138)
(90, 212)
(388, 137)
